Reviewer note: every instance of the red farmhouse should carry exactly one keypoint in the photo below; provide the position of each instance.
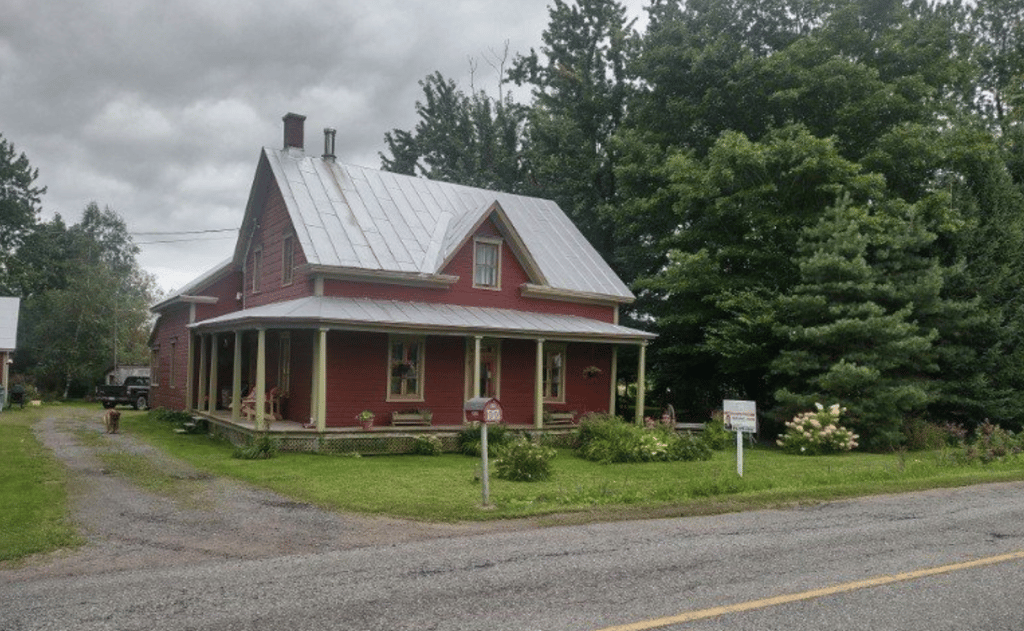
(352, 289)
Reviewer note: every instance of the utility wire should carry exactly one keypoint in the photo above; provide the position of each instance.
(181, 232)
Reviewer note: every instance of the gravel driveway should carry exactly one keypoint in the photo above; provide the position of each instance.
(207, 518)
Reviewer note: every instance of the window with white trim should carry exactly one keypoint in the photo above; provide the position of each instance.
(257, 269)
(287, 260)
(405, 368)
(487, 263)
(155, 365)
(554, 373)
(172, 357)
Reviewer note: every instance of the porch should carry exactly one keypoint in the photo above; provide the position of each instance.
(324, 361)
(379, 440)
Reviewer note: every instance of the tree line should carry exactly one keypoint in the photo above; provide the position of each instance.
(814, 200)
(84, 298)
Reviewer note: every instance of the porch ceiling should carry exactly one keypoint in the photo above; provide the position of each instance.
(365, 314)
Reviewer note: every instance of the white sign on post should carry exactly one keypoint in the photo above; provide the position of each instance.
(740, 417)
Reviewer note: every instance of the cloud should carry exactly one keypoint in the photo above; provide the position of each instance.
(158, 108)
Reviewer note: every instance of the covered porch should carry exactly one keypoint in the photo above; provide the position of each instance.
(309, 365)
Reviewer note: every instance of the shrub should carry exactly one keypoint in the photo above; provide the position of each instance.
(992, 443)
(262, 448)
(175, 417)
(689, 448)
(715, 436)
(921, 435)
(469, 438)
(608, 439)
(819, 432)
(427, 445)
(520, 460)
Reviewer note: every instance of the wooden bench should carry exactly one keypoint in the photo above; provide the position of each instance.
(400, 419)
(559, 418)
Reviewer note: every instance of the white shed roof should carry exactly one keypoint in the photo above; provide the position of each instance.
(9, 308)
(354, 217)
(443, 319)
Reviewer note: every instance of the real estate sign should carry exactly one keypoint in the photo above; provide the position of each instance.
(740, 416)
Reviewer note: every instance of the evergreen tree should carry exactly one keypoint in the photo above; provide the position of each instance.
(851, 329)
(580, 91)
(19, 205)
(467, 139)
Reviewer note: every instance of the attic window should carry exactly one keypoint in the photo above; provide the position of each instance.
(287, 260)
(487, 263)
(257, 269)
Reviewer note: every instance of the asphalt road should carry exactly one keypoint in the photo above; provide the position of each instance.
(646, 574)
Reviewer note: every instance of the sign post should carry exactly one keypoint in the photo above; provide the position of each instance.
(485, 411)
(740, 417)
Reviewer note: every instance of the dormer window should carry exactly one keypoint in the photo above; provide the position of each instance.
(487, 263)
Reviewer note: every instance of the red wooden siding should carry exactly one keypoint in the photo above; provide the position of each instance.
(275, 225)
(463, 292)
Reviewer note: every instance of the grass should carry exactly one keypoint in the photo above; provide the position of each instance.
(33, 491)
(447, 488)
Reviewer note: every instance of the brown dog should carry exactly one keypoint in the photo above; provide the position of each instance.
(112, 419)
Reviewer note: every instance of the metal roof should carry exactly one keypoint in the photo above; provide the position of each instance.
(9, 308)
(367, 314)
(354, 217)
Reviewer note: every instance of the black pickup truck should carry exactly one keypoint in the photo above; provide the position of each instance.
(134, 392)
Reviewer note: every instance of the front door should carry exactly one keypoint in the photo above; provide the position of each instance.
(489, 375)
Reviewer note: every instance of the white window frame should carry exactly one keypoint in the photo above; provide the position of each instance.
(491, 269)
(551, 352)
(408, 342)
(257, 268)
(155, 365)
(287, 260)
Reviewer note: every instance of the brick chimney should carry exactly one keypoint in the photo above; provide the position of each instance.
(294, 130)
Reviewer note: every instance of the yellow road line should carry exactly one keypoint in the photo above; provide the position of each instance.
(878, 581)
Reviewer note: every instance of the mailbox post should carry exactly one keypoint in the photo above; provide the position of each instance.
(484, 410)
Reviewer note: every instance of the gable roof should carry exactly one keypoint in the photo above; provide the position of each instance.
(350, 217)
(9, 308)
(206, 279)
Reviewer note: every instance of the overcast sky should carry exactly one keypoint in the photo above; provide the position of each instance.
(159, 109)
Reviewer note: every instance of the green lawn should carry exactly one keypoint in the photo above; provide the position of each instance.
(33, 493)
(446, 488)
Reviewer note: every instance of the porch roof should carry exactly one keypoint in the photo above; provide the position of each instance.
(366, 314)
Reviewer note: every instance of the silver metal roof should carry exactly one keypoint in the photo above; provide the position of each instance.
(355, 217)
(9, 308)
(442, 319)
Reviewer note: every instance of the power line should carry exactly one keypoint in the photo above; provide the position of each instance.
(180, 240)
(183, 232)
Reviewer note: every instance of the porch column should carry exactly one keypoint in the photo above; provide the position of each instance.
(641, 385)
(189, 368)
(538, 387)
(190, 352)
(320, 374)
(201, 402)
(212, 407)
(615, 380)
(476, 365)
(261, 379)
(236, 380)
